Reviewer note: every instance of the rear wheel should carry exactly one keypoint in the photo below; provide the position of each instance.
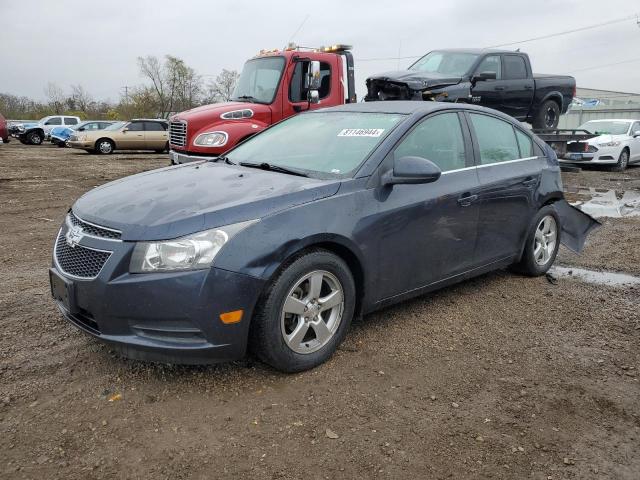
(305, 313)
(623, 161)
(542, 244)
(104, 146)
(548, 116)
(35, 138)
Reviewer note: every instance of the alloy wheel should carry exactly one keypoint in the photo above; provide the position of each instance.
(550, 117)
(545, 240)
(312, 312)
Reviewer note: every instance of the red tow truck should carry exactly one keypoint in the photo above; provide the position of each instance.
(273, 85)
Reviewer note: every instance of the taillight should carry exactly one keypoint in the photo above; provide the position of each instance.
(574, 90)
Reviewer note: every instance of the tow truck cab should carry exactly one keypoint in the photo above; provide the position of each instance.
(273, 85)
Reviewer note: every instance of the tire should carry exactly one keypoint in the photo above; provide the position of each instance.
(536, 262)
(104, 146)
(34, 138)
(272, 332)
(61, 144)
(623, 161)
(548, 116)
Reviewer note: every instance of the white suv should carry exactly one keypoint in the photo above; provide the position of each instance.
(36, 133)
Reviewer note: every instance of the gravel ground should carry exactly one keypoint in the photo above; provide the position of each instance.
(500, 377)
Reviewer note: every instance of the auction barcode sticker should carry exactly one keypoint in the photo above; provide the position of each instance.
(361, 132)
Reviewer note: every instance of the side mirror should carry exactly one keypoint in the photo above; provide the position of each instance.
(636, 134)
(125, 130)
(313, 77)
(412, 170)
(81, 129)
(484, 76)
(313, 96)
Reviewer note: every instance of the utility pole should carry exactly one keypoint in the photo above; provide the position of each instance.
(126, 93)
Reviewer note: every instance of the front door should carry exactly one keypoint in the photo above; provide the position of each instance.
(488, 93)
(427, 232)
(131, 137)
(509, 174)
(634, 143)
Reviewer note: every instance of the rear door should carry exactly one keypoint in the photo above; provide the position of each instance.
(634, 143)
(155, 135)
(427, 232)
(509, 174)
(518, 93)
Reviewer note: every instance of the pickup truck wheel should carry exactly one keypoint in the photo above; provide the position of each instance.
(34, 138)
(543, 241)
(548, 116)
(104, 146)
(305, 312)
(623, 161)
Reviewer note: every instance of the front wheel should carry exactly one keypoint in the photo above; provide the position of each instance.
(548, 116)
(623, 161)
(543, 241)
(35, 138)
(104, 146)
(305, 313)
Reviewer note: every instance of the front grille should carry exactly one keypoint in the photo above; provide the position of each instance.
(79, 261)
(178, 133)
(94, 230)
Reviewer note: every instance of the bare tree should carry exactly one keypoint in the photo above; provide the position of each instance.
(80, 98)
(222, 88)
(56, 97)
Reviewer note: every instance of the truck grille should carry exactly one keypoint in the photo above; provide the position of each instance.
(93, 230)
(79, 261)
(178, 133)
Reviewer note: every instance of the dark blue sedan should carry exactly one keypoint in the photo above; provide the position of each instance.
(325, 216)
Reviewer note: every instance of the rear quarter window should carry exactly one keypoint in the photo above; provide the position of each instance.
(525, 143)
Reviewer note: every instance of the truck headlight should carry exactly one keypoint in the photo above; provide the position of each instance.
(211, 139)
(193, 252)
(609, 144)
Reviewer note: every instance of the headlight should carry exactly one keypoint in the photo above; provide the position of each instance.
(192, 252)
(211, 139)
(609, 144)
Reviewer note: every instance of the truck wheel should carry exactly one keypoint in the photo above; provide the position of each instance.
(623, 161)
(104, 146)
(548, 116)
(34, 138)
(542, 244)
(305, 313)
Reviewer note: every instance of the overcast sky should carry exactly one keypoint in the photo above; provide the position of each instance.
(95, 44)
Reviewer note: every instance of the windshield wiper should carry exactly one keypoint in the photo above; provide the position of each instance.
(274, 168)
(246, 97)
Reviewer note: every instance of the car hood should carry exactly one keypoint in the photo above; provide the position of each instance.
(208, 114)
(606, 139)
(176, 201)
(416, 80)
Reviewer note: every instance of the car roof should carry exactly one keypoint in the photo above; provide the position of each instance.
(408, 107)
(613, 120)
(148, 120)
(476, 51)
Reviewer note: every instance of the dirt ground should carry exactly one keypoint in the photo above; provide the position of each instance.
(500, 377)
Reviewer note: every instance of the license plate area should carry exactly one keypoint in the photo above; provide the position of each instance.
(62, 290)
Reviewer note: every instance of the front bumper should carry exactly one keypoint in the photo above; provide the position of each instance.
(178, 158)
(79, 144)
(160, 317)
(602, 156)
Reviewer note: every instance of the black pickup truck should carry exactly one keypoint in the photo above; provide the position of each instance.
(497, 79)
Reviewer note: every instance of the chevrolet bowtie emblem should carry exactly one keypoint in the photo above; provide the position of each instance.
(74, 235)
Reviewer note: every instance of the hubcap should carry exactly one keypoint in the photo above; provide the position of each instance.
(544, 243)
(105, 147)
(550, 117)
(312, 312)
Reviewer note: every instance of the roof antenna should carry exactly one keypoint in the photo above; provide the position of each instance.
(297, 30)
(518, 49)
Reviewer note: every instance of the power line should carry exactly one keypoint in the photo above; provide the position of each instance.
(533, 39)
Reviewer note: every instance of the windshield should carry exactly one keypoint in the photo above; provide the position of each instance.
(326, 145)
(606, 128)
(115, 126)
(445, 63)
(259, 80)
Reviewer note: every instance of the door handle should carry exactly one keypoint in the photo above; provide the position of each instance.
(499, 88)
(529, 182)
(528, 87)
(467, 200)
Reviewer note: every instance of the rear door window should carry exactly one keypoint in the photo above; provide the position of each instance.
(135, 127)
(525, 144)
(154, 127)
(70, 121)
(496, 139)
(514, 67)
(438, 139)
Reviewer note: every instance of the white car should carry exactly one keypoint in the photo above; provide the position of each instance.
(36, 133)
(617, 144)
